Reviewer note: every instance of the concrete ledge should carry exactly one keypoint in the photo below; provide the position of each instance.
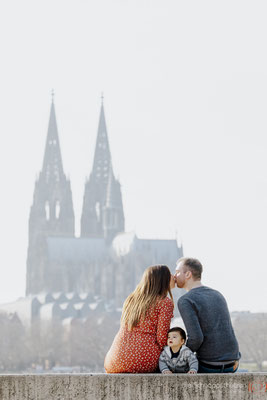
(134, 387)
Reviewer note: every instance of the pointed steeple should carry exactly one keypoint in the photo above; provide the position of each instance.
(102, 196)
(102, 157)
(52, 211)
(52, 163)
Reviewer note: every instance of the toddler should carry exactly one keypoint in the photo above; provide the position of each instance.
(176, 357)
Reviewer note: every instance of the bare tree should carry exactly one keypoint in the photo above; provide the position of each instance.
(47, 342)
(251, 332)
(13, 352)
(90, 341)
(83, 343)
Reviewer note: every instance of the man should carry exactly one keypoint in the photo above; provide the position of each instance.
(207, 320)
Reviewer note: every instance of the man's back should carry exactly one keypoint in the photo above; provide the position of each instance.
(208, 324)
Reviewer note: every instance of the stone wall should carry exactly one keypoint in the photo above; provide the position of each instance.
(134, 387)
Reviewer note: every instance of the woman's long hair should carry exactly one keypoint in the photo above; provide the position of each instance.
(154, 285)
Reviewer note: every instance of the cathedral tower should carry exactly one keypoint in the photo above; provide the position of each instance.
(51, 213)
(102, 214)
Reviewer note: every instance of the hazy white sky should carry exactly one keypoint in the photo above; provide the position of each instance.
(185, 86)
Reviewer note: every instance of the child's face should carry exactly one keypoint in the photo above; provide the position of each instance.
(175, 340)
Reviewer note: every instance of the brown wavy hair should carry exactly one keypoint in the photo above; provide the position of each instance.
(154, 286)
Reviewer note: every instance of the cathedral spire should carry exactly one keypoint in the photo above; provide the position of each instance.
(52, 211)
(102, 195)
(102, 157)
(52, 163)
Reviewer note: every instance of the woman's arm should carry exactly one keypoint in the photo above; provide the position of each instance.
(164, 320)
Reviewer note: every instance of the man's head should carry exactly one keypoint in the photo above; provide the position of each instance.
(188, 270)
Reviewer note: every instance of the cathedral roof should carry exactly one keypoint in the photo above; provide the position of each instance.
(163, 249)
(79, 250)
(76, 250)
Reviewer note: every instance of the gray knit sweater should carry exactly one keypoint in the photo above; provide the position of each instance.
(186, 360)
(208, 325)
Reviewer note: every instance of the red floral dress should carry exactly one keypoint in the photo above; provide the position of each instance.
(138, 350)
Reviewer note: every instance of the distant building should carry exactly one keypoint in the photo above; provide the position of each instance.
(104, 262)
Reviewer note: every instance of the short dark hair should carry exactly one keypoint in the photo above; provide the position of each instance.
(193, 265)
(180, 330)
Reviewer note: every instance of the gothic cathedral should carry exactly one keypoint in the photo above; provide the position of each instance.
(105, 260)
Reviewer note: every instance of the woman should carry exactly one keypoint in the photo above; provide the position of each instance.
(145, 321)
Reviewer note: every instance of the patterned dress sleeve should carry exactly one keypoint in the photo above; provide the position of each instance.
(164, 320)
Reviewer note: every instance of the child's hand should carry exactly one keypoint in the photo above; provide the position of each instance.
(167, 371)
(192, 371)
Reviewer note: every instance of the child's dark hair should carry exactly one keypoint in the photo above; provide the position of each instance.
(180, 330)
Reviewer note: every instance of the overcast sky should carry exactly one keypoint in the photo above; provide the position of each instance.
(185, 86)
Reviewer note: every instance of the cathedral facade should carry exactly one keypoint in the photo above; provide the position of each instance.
(104, 261)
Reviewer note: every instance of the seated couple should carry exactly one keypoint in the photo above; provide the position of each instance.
(140, 344)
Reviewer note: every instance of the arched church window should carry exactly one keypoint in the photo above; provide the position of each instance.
(97, 210)
(56, 173)
(57, 210)
(47, 174)
(47, 211)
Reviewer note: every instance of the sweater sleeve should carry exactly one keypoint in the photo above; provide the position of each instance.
(164, 321)
(192, 361)
(162, 364)
(191, 322)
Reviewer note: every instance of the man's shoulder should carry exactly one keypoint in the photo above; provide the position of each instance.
(210, 293)
(183, 299)
(187, 296)
(198, 295)
(200, 291)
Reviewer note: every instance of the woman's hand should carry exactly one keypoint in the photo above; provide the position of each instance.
(192, 371)
(167, 371)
